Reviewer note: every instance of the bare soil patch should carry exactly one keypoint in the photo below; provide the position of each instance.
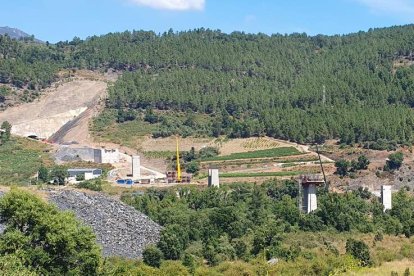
(55, 108)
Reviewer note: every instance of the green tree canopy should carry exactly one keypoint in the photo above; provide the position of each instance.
(44, 239)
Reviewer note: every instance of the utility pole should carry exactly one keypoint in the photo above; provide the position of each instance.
(320, 162)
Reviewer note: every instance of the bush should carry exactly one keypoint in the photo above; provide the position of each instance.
(94, 185)
(342, 167)
(394, 161)
(362, 163)
(378, 236)
(59, 175)
(208, 152)
(43, 174)
(359, 250)
(80, 177)
(192, 167)
(152, 256)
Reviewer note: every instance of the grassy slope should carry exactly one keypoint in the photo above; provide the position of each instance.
(127, 134)
(20, 159)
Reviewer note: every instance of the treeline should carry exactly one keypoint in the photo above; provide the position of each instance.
(252, 85)
(246, 84)
(240, 222)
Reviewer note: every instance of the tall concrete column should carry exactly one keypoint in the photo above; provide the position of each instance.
(213, 178)
(386, 197)
(309, 202)
(136, 167)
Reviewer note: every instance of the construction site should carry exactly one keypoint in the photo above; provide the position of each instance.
(125, 232)
(61, 118)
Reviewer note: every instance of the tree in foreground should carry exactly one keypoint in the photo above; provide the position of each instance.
(44, 239)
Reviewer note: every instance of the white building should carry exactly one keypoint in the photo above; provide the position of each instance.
(110, 156)
(87, 173)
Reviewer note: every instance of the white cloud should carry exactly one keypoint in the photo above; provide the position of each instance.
(397, 7)
(179, 5)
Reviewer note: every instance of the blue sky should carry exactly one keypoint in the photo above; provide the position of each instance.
(55, 20)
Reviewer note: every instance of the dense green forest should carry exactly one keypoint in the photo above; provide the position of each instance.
(243, 222)
(242, 84)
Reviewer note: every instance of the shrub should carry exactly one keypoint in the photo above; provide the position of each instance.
(359, 250)
(378, 236)
(362, 163)
(342, 167)
(152, 256)
(208, 152)
(394, 161)
(80, 177)
(192, 167)
(94, 185)
(43, 174)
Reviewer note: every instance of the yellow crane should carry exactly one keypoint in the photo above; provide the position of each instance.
(178, 163)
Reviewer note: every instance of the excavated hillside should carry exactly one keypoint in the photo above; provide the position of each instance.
(57, 107)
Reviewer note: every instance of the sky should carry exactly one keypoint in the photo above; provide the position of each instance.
(59, 20)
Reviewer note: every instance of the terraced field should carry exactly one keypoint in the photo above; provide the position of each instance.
(267, 153)
(260, 174)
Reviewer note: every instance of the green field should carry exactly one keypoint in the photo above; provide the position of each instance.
(268, 153)
(259, 174)
(20, 159)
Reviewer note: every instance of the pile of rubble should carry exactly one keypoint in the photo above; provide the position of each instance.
(120, 229)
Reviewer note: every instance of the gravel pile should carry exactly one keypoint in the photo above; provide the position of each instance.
(119, 228)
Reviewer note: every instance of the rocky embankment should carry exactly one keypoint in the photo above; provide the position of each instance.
(120, 229)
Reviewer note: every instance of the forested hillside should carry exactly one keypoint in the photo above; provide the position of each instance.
(242, 84)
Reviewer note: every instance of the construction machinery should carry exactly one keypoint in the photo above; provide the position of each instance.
(176, 175)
